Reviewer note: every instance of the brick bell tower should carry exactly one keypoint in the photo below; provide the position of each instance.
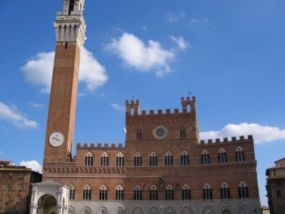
(70, 35)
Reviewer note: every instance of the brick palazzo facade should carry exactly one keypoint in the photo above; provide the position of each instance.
(163, 166)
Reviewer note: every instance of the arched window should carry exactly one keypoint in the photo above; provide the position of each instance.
(137, 193)
(153, 193)
(138, 159)
(87, 192)
(243, 190)
(139, 134)
(71, 192)
(103, 193)
(186, 192)
(104, 159)
(225, 191)
(168, 159)
(207, 192)
(169, 193)
(88, 160)
(153, 159)
(182, 133)
(222, 156)
(205, 157)
(240, 157)
(120, 160)
(184, 159)
(119, 193)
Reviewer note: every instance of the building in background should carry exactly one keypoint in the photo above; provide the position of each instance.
(163, 167)
(276, 187)
(15, 187)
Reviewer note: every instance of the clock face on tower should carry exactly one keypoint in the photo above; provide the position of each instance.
(159, 132)
(56, 139)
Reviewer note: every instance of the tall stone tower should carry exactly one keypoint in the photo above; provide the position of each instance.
(70, 35)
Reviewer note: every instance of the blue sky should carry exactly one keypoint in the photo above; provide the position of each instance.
(229, 54)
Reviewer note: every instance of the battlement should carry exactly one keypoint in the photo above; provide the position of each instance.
(188, 106)
(99, 146)
(226, 140)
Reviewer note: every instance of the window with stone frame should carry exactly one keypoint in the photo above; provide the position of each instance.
(222, 156)
(207, 192)
(103, 193)
(137, 193)
(205, 157)
(139, 134)
(88, 159)
(71, 192)
(120, 160)
(168, 159)
(153, 193)
(225, 191)
(169, 193)
(153, 159)
(184, 159)
(186, 192)
(87, 193)
(104, 159)
(243, 190)
(182, 133)
(239, 154)
(138, 159)
(119, 193)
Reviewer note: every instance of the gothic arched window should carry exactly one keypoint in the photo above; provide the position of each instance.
(120, 160)
(243, 190)
(222, 156)
(240, 157)
(168, 159)
(103, 193)
(137, 193)
(71, 192)
(207, 192)
(153, 193)
(186, 192)
(87, 192)
(88, 159)
(225, 191)
(119, 193)
(205, 157)
(169, 193)
(153, 159)
(184, 159)
(104, 159)
(138, 159)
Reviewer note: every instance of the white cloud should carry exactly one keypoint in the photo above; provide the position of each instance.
(200, 20)
(180, 42)
(143, 57)
(11, 114)
(175, 17)
(38, 70)
(117, 107)
(33, 164)
(261, 133)
(37, 105)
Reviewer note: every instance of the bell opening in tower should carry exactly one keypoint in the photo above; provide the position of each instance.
(71, 6)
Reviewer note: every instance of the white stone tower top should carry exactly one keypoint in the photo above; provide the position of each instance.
(70, 24)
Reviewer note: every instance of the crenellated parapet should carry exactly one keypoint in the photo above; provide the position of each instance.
(227, 140)
(99, 146)
(188, 106)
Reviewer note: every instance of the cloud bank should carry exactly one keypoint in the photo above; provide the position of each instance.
(12, 115)
(143, 57)
(38, 70)
(33, 164)
(261, 133)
